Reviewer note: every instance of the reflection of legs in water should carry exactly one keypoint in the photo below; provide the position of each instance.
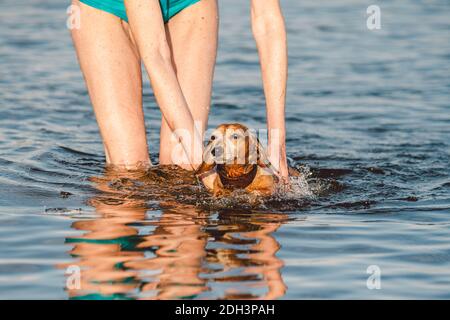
(180, 243)
(270, 265)
(106, 245)
(112, 254)
(166, 260)
(261, 260)
(181, 240)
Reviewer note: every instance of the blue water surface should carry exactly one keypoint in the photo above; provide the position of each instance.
(368, 120)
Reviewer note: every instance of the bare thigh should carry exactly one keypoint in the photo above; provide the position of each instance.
(192, 36)
(111, 67)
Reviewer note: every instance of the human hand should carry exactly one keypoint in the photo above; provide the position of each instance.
(279, 161)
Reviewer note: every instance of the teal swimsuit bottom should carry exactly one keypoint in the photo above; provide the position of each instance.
(169, 8)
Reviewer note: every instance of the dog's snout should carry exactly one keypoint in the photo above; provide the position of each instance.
(217, 151)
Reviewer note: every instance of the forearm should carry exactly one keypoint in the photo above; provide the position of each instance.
(270, 35)
(148, 30)
(168, 93)
(272, 50)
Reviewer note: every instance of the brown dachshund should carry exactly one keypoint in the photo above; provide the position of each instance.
(235, 159)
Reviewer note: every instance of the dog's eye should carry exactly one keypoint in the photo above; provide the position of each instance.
(235, 136)
(213, 137)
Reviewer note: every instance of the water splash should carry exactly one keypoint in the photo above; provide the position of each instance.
(298, 186)
(169, 184)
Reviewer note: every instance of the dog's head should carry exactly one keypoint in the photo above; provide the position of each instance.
(235, 147)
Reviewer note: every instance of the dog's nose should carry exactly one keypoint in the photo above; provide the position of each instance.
(217, 151)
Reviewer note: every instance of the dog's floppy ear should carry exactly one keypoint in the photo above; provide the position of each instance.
(257, 153)
(208, 160)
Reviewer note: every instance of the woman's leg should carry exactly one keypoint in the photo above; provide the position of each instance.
(192, 35)
(111, 67)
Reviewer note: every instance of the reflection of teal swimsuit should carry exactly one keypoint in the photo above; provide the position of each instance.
(169, 8)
